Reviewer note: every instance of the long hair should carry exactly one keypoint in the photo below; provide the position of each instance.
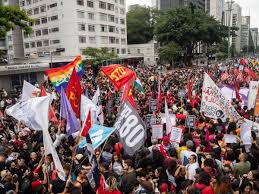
(222, 186)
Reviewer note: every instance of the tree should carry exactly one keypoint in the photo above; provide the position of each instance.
(10, 17)
(97, 56)
(170, 52)
(140, 24)
(187, 27)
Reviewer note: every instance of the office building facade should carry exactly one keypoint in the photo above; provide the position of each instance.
(168, 4)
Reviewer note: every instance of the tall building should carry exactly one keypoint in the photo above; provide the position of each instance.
(254, 35)
(216, 9)
(245, 32)
(234, 20)
(167, 4)
(74, 26)
(132, 7)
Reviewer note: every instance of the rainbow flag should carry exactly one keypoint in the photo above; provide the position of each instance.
(60, 76)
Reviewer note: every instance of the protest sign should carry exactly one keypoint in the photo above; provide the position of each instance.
(253, 87)
(176, 134)
(214, 104)
(230, 138)
(157, 131)
(245, 133)
(130, 129)
(153, 105)
(190, 121)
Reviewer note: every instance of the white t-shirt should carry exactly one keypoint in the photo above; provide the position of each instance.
(185, 155)
(191, 170)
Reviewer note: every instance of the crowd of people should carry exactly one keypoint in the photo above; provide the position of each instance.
(201, 163)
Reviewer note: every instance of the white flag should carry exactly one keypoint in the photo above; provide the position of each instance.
(214, 104)
(29, 91)
(86, 105)
(50, 149)
(31, 112)
(96, 96)
(168, 119)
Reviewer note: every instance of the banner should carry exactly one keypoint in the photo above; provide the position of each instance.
(157, 131)
(153, 105)
(130, 129)
(229, 93)
(190, 121)
(214, 104)
(98, 135)
(176, 134)
(230, 138)
(118, 75)
(253, 87)
(245, 133)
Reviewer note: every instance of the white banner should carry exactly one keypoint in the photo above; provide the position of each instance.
(253, 87)
(176, 134)
(214, 104)
(245, 133)
(230, 93)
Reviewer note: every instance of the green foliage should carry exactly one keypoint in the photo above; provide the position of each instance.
(169, 52)
(186, 27)
(140, 24)
(98, 56)
(10, 17)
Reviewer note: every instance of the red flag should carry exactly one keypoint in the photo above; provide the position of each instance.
(73, 92)
(235, 71)
(87, 125)
(237, 91)
(252, 74)
(118, 75)
(52, 115)
(127, 95)
(189, 87)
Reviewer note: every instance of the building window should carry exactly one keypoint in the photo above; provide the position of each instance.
(123, 51)
(123, 41)
(110, 7)
(43, 9)
(81, 27)
(38, 32)
(117, 41)
(103, 17)
(138, 51)
(27, 45)
(80, 2)
(22, 3)
(52, 5)
(104, 40)
(116, 20)
(39, 44)
(44, 20)
(53, 30)
(122, 21)
(10, 47)
(92, 40)
(118, 51)
(25, 35)
(111, 18)
(35, 1)
(10, 38)
(102, 5)
(55, 17)
(91, 16)
(45, 31)
(55, 41)
(36, 11)
(82, 39)
(45, 42)
(90, 4)
(122, 11)
(37, 22)
(112, 29)
(91, 28)
(123, 31)
(30, 23)
(32, 44)
(80, 14)
(112, 40)
(28, 2)
(122, 2)
(103, 28)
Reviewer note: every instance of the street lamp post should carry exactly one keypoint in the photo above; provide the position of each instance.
(230, 3)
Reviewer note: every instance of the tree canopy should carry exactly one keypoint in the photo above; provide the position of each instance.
(186, 27)
(10, 17)
(140, 24)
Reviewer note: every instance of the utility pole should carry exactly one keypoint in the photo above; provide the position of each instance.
(230, 3)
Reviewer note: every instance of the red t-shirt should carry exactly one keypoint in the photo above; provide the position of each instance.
(206, 190)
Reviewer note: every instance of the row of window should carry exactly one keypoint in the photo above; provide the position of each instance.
(41, 9)
(42, 32)
(103, 40)
(102, 5)
(123, 50)
(103, 28)
(102, 17)
(43, 20)
(40, 43)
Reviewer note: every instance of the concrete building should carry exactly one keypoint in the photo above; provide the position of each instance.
(148, 51)
(132, 7)
(245, 32)
(75, 25)
(234, 20)
(254, 35)
(167, 4)
(216, 9)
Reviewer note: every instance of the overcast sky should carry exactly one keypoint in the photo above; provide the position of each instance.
(252, 5)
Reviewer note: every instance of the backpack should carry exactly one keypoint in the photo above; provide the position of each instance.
(198, 191)
(185, 161)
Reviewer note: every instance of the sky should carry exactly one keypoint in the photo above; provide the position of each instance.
(251, 6)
